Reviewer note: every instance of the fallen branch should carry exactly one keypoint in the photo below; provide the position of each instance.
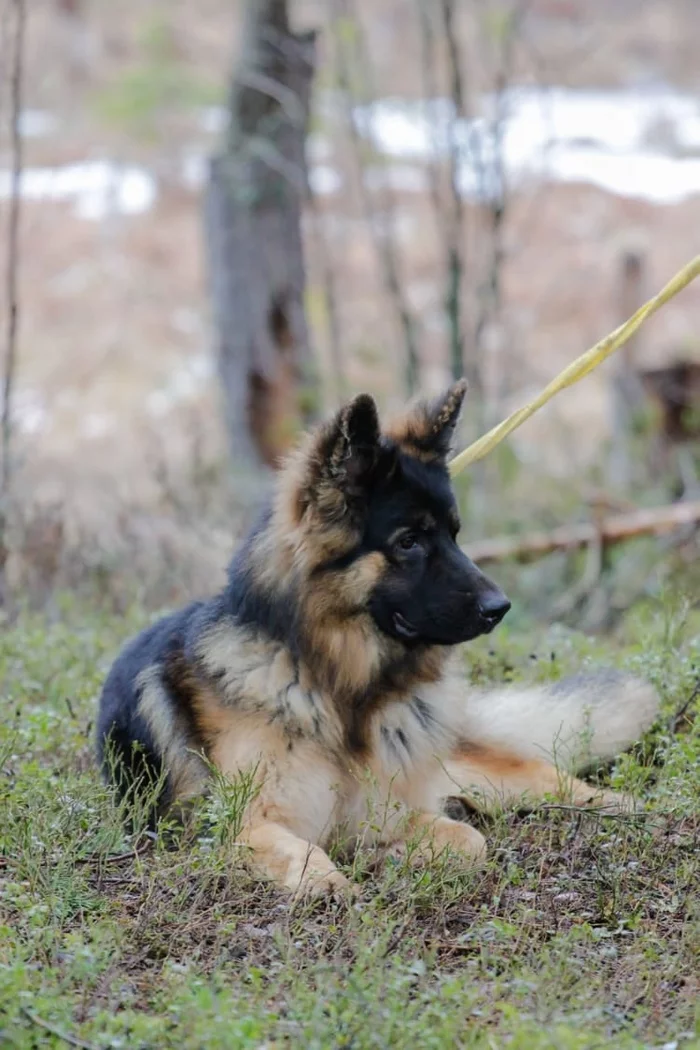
(656, 521)
(54, 1030)
(683, 709)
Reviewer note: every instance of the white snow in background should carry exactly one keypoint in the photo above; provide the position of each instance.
(632, 143)
(98, 425)
(655, 178)
(97, 189)
(37, 124)
(195, 167)
(28, 411)
(642, 144)
(189, 380)
(324, 180)
(213, 119)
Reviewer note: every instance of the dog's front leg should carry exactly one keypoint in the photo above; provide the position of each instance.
(292, 862)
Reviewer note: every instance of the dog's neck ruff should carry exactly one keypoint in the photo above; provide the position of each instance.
(259, 675)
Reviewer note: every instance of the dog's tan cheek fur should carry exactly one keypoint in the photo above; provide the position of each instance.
(336, 624)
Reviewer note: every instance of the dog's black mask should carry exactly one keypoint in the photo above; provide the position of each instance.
(394, 489)
(430, 592)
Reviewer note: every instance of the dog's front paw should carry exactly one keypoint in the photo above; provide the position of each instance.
(439, 835)
(462, 840)
(614, 803)
(317, 885)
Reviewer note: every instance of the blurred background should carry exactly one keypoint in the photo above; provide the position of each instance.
(220, 219)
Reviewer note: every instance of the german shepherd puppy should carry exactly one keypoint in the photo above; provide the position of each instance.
(323, 666)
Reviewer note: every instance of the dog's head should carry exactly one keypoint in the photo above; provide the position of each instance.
(376, 518)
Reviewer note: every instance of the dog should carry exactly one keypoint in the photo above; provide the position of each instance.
(325, 668)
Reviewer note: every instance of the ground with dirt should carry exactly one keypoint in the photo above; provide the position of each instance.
(581, 932)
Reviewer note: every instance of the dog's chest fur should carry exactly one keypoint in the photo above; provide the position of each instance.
(261, 707)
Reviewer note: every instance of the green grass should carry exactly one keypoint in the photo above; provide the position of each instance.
(582, 931)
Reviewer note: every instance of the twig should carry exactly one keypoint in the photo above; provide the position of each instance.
(676, 719)
(116, 858)
(431, 93)
(455, 220)
(490, 293)
(577, 594)
(382, 239)
(11, 286)
(98, 879)
(112, 858)
(596, 811)
(331, 299)
(58, 1032)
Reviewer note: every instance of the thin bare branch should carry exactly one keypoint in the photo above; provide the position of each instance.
(455, 224)
(431, 95)
(490, 294)
(330, 295)
(59, 1033)
(11, 283)
(382, 236)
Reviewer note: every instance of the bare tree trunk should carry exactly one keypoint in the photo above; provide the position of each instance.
(253, 209)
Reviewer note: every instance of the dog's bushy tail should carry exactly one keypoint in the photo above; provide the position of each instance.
(573, 723)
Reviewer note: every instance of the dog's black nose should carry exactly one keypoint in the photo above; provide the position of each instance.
(493, 607)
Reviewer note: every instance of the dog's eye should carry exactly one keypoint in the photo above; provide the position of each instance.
(407, 542)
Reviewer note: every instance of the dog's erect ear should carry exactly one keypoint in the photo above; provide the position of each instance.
(352, 441)
(426, 430)
(341, 459)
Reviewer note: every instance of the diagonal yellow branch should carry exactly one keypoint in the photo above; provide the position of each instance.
(577, 369)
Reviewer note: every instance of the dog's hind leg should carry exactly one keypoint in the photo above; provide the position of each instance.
(292, 862)
(490, 779)
(424, 836)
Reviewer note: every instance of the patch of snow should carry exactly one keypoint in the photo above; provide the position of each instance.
(96, 188)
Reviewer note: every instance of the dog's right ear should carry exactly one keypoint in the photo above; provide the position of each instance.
(338, 466)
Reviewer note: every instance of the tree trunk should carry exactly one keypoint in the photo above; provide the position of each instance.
(253, 208)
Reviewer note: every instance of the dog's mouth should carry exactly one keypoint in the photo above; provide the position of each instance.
(483, 623)
(404, 629)
(488, 623)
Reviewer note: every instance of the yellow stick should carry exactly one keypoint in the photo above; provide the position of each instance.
(577, 369)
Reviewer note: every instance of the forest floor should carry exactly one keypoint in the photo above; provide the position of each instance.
(581, 932)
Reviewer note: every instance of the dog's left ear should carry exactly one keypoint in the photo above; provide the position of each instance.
(427, 428)
(339, 464)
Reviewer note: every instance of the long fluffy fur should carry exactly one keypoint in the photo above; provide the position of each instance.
(572, 723)
(354, 734)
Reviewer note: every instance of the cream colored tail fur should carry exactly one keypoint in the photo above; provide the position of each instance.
(571, 723)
